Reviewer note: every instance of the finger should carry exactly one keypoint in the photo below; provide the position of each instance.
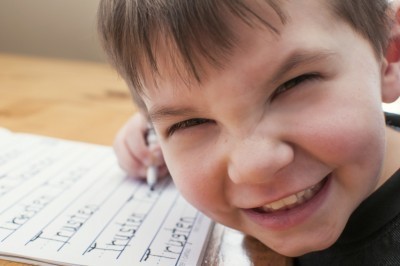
(134, 132)
(126, 158)
(157, 157)
(128, 162)
(163, 171)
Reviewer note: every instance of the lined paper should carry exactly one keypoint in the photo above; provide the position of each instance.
(68, 203)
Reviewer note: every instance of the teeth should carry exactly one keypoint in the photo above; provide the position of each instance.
(276, 205)
(301, 194)
(290, 200)
(293, 200)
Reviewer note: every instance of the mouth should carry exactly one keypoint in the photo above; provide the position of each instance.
(292, 201)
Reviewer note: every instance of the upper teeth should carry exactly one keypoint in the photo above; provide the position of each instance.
(292, 200)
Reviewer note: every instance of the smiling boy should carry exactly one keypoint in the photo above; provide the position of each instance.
(268, 113)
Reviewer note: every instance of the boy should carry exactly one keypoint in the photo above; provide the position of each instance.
(269, 116)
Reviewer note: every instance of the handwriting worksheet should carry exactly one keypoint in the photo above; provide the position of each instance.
(68, 203)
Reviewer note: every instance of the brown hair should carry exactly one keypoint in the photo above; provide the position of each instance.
(198, 29)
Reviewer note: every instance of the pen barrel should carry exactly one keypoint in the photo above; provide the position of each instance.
(151, 138)
(152, 171)
(152, 174)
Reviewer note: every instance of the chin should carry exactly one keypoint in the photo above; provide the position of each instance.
(297, 252)
(290, 249)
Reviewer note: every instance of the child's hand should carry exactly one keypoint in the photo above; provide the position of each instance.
(132, 152)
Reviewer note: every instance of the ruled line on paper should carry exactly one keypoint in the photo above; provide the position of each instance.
(67, 198)
(35, 200)
(90, 205)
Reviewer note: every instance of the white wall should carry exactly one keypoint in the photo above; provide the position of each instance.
(53, 28)
(393, 107)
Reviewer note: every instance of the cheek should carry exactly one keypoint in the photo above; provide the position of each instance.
(350, 140)
(341, 122)
(198, 178)
(360, 135)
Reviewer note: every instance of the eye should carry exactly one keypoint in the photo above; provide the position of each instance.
(186, 124)
(293, 83)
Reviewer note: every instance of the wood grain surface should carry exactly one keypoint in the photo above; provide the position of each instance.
(88, 102)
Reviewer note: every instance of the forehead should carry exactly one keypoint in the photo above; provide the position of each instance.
(187, 60)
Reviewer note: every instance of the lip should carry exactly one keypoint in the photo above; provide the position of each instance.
(285, 219)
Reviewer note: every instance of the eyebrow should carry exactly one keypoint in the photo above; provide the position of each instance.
(159, 113)
(300, 58)
(293, 61)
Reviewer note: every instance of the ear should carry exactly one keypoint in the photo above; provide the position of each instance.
(391, 65)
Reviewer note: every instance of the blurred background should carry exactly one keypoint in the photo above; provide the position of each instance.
(58, 28)
(50, 28)
(54, 79)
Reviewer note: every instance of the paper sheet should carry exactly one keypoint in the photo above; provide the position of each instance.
(64, 202)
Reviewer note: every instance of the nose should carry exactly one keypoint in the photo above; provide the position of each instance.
(256, 160)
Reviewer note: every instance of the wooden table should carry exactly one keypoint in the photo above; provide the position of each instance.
(88, 102)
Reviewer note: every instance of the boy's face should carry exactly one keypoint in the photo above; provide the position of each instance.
(287, 140)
